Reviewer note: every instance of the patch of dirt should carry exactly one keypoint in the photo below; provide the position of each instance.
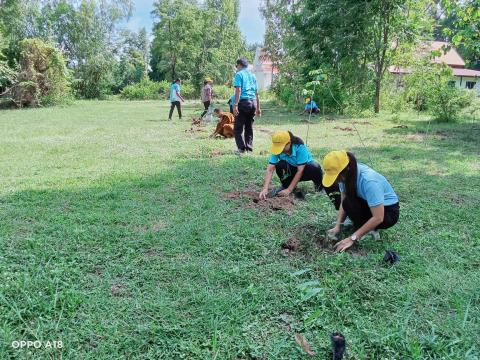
(362, 123)
(155, 227)
(457, 199)
(152, 253)
(307, 236)
(400, 127)
(347, 128)
(415, 137)
(118, 290)
(275, 203)
(196, 121)
(193, 130)
(292, 244)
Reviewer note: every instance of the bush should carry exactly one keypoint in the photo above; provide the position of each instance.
(223, 92)
(42, 77)
(428, 89)
(144, 90)
(155, 90)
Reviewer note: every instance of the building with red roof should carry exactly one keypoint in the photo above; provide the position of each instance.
(463, 78)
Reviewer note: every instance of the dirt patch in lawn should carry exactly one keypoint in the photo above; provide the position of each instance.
(292, 244)
(362, 123)
(252, 201)
(347, 128)
(307, 238)
(194, 130)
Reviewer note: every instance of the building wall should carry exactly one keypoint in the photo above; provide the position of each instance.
(461, 82)
(264, 80)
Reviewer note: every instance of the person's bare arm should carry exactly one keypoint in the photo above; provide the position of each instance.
(378, 213)
(180, 96)
(266, 181)
(237, 99)
(340, 217)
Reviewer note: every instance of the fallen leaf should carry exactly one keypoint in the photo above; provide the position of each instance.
(304, 344)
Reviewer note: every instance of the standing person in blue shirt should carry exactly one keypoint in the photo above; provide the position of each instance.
(293, 163)
(175, 99)
(368, 198)
(246, 106)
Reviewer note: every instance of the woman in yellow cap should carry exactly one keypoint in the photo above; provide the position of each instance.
(293, 163)
(368, 199)
(207, 94)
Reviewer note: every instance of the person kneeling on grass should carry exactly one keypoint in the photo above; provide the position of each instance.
(225, 124)
(310, 107)
(367, 198)
(293, 163)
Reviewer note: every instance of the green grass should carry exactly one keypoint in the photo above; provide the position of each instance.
(116, 239)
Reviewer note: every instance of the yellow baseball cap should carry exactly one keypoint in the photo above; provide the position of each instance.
(307, 100)
(333, 164)
(279, 140)
(208, 79)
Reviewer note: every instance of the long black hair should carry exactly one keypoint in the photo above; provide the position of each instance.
(350, 176)
(295, 139)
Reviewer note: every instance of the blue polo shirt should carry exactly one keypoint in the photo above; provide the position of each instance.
(372, 187)
(300, 156)
(174, 88)
(247, 82)
(311, 105)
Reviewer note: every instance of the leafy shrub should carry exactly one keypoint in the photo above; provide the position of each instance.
(222, 92)
(42, 77)
(428, 89)
(144, 90)
(154, 90)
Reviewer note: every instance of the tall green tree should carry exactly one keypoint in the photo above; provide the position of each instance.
(192, 40)
(353, 41)
(462, 27)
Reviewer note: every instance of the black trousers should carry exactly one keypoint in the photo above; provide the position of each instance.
(206, 104)
(312, 172)
(359, 212)
(243, 128)
(179, 109)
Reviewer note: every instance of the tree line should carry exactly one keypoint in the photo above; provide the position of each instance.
(352, 43)
(52, 50)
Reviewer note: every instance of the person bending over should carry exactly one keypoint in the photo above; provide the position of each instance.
(225, 124)
(367, 198)
(292, 161)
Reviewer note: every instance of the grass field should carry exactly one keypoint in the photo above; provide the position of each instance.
(118, 240)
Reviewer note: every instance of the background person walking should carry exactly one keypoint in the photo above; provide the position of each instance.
(246, 106)
(175, 99)
(207, 94)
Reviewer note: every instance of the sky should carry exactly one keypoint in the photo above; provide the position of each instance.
(250, 21)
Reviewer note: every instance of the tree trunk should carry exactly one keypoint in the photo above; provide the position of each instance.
(377, 95)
